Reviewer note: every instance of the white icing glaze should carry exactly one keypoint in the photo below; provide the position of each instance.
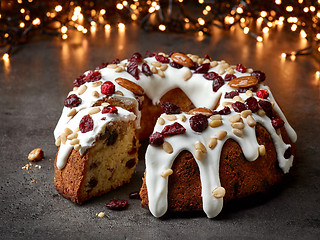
(86, 140)
(199, 91)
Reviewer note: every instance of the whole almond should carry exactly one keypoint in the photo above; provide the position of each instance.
(182, 59)
(131, 86)
(241, 82)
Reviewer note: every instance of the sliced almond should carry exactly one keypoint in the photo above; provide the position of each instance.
(131, 86)
(245, 81)
(187, 75)
(167, 147)
(219, 192)
(204, 111)
(182, 59)
(212, 143)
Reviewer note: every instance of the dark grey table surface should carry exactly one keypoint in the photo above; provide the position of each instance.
(36, 80)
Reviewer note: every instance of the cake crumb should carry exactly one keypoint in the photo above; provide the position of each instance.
(35, 155)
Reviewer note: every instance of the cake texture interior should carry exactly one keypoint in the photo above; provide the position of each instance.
(215, 133)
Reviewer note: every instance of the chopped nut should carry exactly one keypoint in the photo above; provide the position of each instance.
(163, 67)
(219, 192)
(68, 131)
(200, 146)
(161, 121)
(212, 143)
(101, 214)
(35, 155)
(249, 93)
(230, 71)
(250, 121)
(112, 66)
(249, 70)
(216, 117)
(235, 118)
(105, 104)
(215, 123)
(166, 173)
(206, 61)
(221, 134)
(94, 110)
(261, 113)
(72, 112)
(237, 98)
(77, 129)
(96, 84)
(213, 64)
(74, 89)
(187, 75)
(238, 125)
(160, 73)
(156, 64)
(119, 93)
(119, 69)
(262, 150)
(199, 155)
(95, 94)
(77, 147)
(74, 141)
(72, 136)
(63, 138)
(58, 141)
(183, 118)
(170, 117)
(154, 70)
(167, 147)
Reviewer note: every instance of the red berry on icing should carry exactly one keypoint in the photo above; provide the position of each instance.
(102, 65)
(241, 68)
(170, 108)
(277, 123)
(150, 54)
(231, 94)
(136, 57)
(86, 124)
(252, 88)
(229, 77)
(146, 69)
(92, 76)
(207, 57)
(156, 139)
(261, 76)
(238, 106)
(117, 204)
(115, 61)
(173, 129)
(133, 69)
(225, 111)
(252, 104)
(108, 88)
(72, 101)
(162, 59)
(110, 109)
(79, 81)
(263, 94)
(198, 123)
(210, 75)
(217, 83)
(175, 65)
(265, 105)
(204, 68)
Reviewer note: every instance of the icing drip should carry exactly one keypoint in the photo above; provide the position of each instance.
(86, 140)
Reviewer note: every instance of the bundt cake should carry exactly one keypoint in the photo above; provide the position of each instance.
(216, 132)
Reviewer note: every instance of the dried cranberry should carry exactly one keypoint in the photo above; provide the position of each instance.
(195, 66)
(92, 76)
(134, 195)
(238, 106)
(252, 104)
(86, 124)
(108, 88)
(252, 88)
(72, 101)
(198, 123)
(263, 94)
(217, 83)
(110, 109)
(117, 204)
(136, 57)
(150, 54)
(231, 94)
(172, 53)
(104, 118)
(175, 65)
(79, 81)
(115, 61)
(225, 111)
(204, 68)
(229, 77)
(133, 69)
(210, 75)
(173, 129)
(241, 68)
(207, 57)
(146, 69)
(162, 59)
(156, 139)
(261, 76)
(102, 65)
(265, 105)
(288, 153)
(170, 108)
(277, 123)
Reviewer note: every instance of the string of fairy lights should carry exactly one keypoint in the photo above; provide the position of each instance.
(20, 20)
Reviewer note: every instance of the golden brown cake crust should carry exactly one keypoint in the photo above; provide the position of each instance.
(238, 176)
